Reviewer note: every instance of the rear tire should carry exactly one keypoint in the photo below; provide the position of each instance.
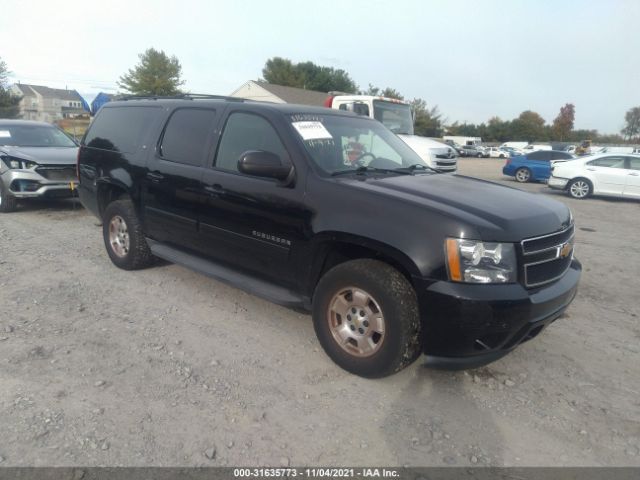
(580, 188)
(8, 203)
(365, 314)
(523, 175)
(123, 236)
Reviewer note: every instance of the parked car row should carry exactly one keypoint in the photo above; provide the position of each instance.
(607, 174)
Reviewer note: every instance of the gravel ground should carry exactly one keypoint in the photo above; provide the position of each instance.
(99, 366)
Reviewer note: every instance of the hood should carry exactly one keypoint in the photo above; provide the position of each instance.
(44, 155)
(424, 145)
(496, 212)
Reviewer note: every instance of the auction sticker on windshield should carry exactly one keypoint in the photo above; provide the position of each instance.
(312, 130)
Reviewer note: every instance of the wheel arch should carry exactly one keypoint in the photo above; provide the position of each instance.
(109, 190)
(333, 248)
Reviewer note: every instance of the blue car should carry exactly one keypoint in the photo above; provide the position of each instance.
(534, 166)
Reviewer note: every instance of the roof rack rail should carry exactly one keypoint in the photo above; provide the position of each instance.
(181, 96)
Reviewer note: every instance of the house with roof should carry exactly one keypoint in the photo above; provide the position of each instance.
(267, 92)
(47, 104)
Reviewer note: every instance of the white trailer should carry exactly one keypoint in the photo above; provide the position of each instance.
(462, 141)
(518, 145)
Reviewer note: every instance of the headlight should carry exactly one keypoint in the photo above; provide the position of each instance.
(472, 261)
(17, 163)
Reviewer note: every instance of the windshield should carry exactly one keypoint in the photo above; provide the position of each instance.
(337, 143)
(395, 116)
(33, 136)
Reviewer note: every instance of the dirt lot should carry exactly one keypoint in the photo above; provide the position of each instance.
(100, 366)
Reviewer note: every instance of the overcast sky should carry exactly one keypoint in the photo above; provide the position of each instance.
(474, 59)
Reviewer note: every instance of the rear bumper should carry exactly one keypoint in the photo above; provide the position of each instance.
(557, 183)
(467, 326)
(508, 170)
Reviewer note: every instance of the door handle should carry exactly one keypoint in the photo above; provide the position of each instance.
(634, 174)
(214, 189)
(154, 176)
(591, 169)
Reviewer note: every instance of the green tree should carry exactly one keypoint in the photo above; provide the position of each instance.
(282, 71)
(497, 130)
(632, 126)
(563, 123)
(427, 121)
(378, 92)
(307, 75)
(155, 74)
(529, 126)
(9, 103)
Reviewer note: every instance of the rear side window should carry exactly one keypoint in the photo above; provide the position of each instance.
(243, 132)
(611, 162)
(120, 129)
(634, 163)
(561, 156)
(186, 137)
(539, 155)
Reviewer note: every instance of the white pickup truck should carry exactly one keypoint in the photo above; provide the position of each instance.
(396, 115)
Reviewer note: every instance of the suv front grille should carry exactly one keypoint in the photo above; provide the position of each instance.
(63, 173)
(548, 257)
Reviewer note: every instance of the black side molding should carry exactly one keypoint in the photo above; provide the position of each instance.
(249, 284)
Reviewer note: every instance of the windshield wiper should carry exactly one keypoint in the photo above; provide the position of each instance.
(365, 169)
(412, 168)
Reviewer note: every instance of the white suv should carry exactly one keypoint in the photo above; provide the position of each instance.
(604, 174)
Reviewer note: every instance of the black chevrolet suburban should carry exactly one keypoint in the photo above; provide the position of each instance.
(392, 258)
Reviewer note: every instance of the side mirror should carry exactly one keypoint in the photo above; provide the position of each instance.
(264, 164)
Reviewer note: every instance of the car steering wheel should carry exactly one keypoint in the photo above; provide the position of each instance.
(358, 161)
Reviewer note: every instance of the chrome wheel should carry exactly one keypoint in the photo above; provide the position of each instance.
(356, 322)
(579, 189)
(119, 236)
(523, 175)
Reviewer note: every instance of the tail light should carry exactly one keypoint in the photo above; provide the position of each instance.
(328, 102)
(508, 161)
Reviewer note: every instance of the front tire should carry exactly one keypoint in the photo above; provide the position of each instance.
(124, 238)
(523, 175)
(580, 188)
(8, 203)
(365, 314)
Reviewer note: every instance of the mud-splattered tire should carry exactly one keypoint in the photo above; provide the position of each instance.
(8, 202)
(365, 314)
(124, 238)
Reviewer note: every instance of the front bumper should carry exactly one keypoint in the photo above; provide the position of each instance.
(466, 326)
(30, 184)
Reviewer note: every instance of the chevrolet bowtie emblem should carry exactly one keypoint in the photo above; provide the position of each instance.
(565, 250)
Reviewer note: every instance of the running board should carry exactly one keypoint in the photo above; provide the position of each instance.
(249, 284)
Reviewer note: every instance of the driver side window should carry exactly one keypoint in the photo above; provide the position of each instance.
(244, 132)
